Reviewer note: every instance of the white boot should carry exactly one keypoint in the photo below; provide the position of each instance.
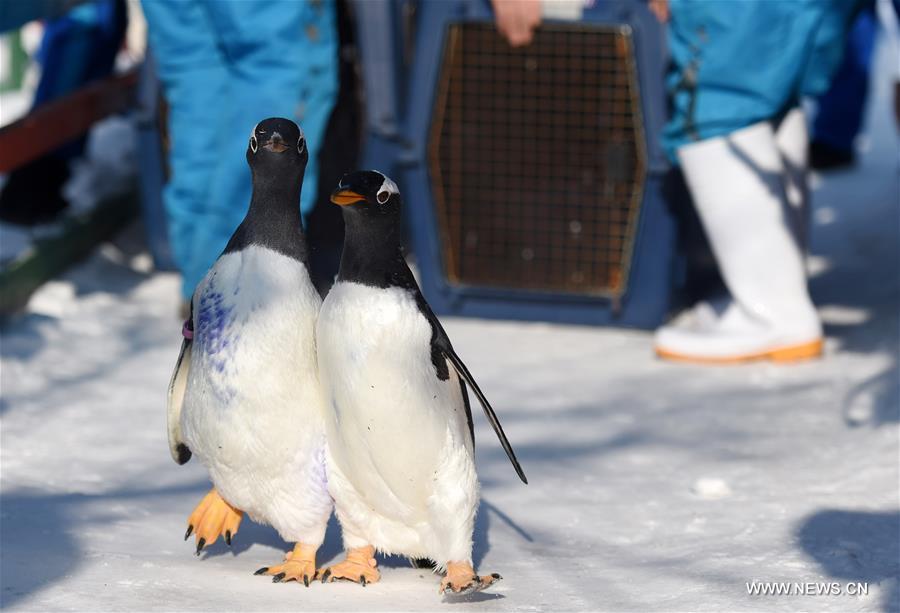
(792, 140)
(738, 186)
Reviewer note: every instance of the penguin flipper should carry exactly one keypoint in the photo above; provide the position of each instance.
(492, 418)
(175, 399)
(441, 346)
(468, 407)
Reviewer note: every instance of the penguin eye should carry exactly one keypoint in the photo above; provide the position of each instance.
(254, 144)
(383, 196)
(301, 145)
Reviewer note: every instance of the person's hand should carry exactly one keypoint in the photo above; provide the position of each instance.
(517, 19)
(660, 8)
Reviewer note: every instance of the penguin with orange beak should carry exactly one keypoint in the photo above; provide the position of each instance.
(401, 460)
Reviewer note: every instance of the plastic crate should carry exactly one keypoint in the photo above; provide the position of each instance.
(532, 176)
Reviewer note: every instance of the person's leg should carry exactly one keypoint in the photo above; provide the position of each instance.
(737, 182)
(79, 47)
(194, 79)
(737, 68)
(282, 61)
(737, 63)
(840, 110)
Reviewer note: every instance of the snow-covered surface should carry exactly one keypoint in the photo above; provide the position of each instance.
(653, 486)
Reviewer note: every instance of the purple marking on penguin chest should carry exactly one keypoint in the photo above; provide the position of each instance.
(214, 321)
(216, 337)
(320, 475)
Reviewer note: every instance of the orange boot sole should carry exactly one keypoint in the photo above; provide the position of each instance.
(781, 355)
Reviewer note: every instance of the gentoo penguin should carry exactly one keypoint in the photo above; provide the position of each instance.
(401, 465)
(245, 395)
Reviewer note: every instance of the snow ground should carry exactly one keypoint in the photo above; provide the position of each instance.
(654, 487)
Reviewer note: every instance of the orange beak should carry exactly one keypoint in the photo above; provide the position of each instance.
(343, 197)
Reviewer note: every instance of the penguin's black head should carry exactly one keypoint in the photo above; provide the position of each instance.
(368, 192)
(277, 144)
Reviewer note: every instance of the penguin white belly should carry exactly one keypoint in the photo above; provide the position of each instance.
(401, 466)
(253, 410)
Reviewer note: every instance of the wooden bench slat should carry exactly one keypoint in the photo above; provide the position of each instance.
(63, 120)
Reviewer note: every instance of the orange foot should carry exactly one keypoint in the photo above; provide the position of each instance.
(299, 565)
(359, 566)
(461, 579)
(211, 518)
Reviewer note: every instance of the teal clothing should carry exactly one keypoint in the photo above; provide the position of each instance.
(224, 66)
(739, 62)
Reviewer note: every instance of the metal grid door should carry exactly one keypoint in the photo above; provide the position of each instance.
(536, 157)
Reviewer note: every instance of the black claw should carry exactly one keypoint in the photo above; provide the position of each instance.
(200, 545)
(362, 580)
(228, 537)
(496, 576)
(262, 571)
(190, 530)
(306, 580)
(277, 578)
(326, 575)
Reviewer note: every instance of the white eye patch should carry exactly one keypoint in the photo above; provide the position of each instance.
(388, 188)
(254, 144)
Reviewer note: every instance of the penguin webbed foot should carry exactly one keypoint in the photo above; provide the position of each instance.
(299, 565)
(213, 518)
(461, 579)
(359, 566)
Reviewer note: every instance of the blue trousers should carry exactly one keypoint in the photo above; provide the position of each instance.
(78, 47)
(736, 63)
(840, 110)
(224, 66)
